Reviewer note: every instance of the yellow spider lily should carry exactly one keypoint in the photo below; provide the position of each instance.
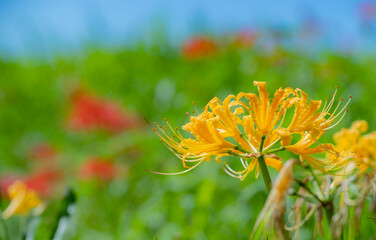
(311, 123)
(332, 164)
(22, 200)
(264, 113)
(242, 124)
(351, 141)
(309, 118)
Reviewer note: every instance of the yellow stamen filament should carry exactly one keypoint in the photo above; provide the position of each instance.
(185, 171)
(337, 121)
(244, 163)
(343, 109)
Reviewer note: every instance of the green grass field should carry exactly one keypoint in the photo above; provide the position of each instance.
(156, 83)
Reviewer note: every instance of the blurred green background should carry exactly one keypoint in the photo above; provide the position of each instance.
(204, 204)
(156, 80)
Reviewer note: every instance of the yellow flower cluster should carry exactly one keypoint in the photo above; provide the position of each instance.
(361, 147)
(22, 200)
(248, 126)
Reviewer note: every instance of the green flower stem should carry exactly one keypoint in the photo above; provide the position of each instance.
(274, 150)
(265, 173)
(5, 227)
(246, 139)
(263, 167)
(240, 148)
(236, 154)
(272, 145)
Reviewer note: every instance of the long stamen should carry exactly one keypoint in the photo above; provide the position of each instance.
(195, 106)
(335, 110)
(345, 158)
(181, 156)
(337, 121)
(166, 138)
(326, 107)
(149, 124)
(173, 131)
(178, 133)
(331, 101)
(235, 172)
(325, 104)
(272, 144)
(327, 150)
(344, 108)
(244, 163)
(169, 174)
(230, 174)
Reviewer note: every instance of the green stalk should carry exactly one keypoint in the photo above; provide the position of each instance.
(272, 145)
(274, 150)
(263, 167)
(2, 222)
(236, 154)
(265, 173)
(5, 227)
(240, 148)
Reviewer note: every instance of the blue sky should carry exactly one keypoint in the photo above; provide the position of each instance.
(47, 25)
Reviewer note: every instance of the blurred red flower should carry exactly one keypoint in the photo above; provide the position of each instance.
(43, 151)
(98, 168)
(199, 47)
(6, 181)
(43, 182)
(91, 112)
(245, 39)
